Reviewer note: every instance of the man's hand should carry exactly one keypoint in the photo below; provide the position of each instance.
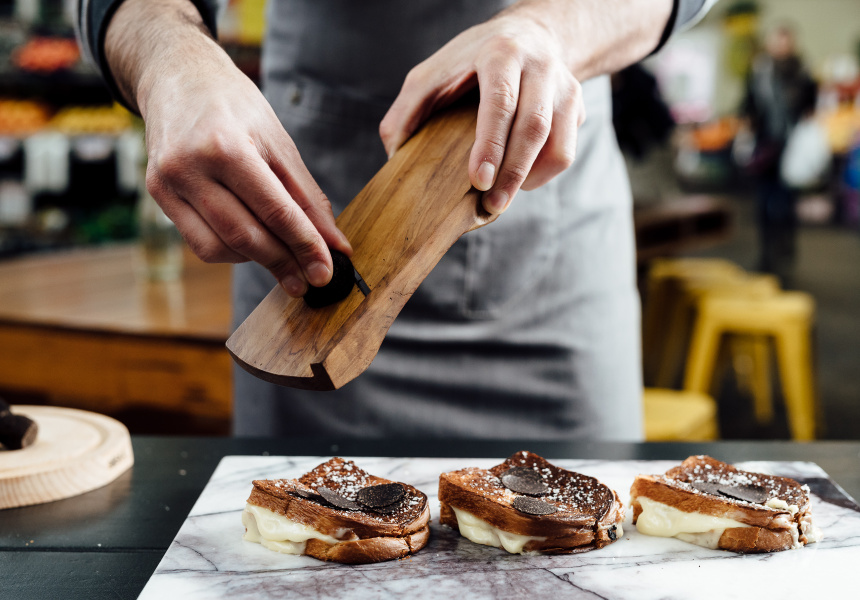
(220, 165)
(526, 62)
(530, 109)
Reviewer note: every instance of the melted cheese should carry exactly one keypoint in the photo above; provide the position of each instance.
(782, 505)
(474, 529)
(277, 532)
(662, 520)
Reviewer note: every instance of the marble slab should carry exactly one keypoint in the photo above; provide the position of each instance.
(209, 559)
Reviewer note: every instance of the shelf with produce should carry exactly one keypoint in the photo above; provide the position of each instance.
(67, 177)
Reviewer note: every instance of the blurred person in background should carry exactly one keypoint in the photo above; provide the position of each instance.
(780, 92)
(526, 329)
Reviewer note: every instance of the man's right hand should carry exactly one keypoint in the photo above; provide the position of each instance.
(221, 165)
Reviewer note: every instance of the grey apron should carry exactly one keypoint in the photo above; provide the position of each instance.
(527, 328)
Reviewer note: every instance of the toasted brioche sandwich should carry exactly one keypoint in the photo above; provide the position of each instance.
(338, 512)
(527, 504)
(710, 503)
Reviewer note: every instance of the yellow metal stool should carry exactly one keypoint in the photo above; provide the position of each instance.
(664, 290)
(680, 324)
(786, 318)
(750, 355)
(677, 416)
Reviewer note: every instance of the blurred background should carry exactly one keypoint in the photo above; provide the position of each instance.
(742, 139)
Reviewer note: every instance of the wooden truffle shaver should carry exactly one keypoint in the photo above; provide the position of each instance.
(402, 222)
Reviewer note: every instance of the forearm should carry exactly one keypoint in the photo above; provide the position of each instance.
(150, 41)
(598, 36)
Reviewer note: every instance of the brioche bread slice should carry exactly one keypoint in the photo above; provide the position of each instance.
(338, 512)
(527, 504)
(713, 504)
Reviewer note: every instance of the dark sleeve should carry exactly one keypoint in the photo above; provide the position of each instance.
(684, 13)
(92, 21)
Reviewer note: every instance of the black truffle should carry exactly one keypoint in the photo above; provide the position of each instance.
(17, 431)
(754, 494)
(340, 286)
(336, 500)
(533, 506)
(524, 481)
(379, 496)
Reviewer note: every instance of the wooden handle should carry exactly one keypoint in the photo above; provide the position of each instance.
(400, 225)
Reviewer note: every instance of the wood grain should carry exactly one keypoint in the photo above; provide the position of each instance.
(112, 373)
(400, 225)
(75, 452)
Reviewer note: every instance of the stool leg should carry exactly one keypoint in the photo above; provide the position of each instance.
(658, 304)
(760, 383)
(741, 351)
(795, 368)
(676, 335)
(701, 360)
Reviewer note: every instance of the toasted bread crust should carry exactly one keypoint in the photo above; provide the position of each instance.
(571, 529)
(751, 540)
(369, 550)
(364, 536)
(769, 529)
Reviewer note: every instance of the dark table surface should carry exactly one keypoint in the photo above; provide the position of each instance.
(107, 543)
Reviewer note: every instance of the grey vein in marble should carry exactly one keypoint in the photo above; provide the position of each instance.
(209, 559)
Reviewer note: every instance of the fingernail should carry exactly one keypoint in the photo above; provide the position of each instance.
(485, 175)
(294, 286)
(496, 202)
(318, 274)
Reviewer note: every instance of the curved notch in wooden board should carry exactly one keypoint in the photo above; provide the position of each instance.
(75, 452)
(400, 225)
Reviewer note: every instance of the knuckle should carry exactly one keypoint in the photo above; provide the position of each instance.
(504, 98)
(287, 147)
(506, 44)
(240, 239)
(562, 158)
(170, 166)
(541, 65)
(386, 129)
(282, 267)
(515, 173)
(575, 102)
(209, 251)
(215, 147)
(154, 182)
(322, 204)
(537, 125)
(414, 76)
(306, 247)
(279, 217)
(494, 146)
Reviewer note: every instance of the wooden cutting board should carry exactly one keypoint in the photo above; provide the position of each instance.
(75, 452)
(400, 225)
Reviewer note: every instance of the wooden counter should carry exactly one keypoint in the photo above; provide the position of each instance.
(85, 329)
